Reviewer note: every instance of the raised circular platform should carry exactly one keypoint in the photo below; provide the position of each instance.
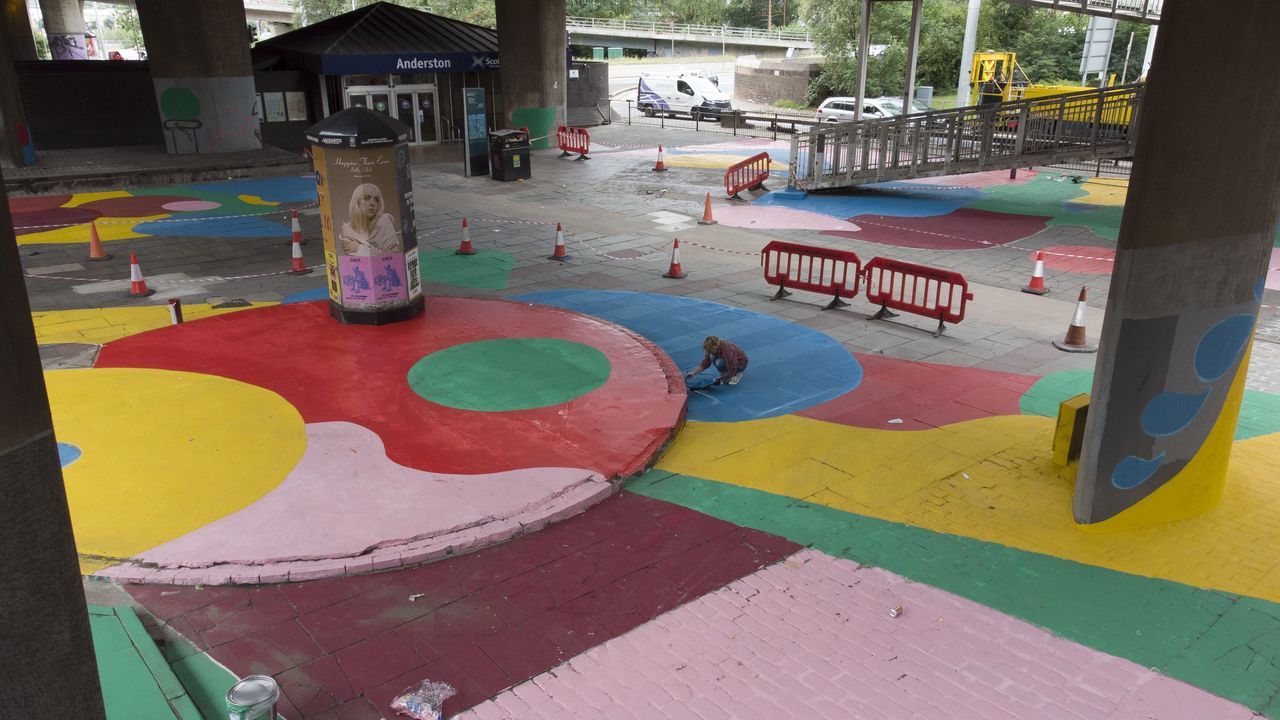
(275, 444)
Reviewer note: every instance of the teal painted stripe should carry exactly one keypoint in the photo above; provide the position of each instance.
(129, 689)
(1227, 644)
(167, 681)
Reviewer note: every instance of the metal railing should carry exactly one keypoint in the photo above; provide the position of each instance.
(732, 122)
(1077, 126)
(662, 29)
(1147, 11)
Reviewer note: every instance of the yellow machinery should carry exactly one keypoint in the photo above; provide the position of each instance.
(997, 77)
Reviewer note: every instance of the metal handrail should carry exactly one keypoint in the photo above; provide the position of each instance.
(660, 28)
(1089, 124)
(1142, 10)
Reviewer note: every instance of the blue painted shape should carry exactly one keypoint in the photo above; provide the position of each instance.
(1132, 471)
(1169, 412)
(68, 453)
(250, 227)
(291, 189)
(1221, 345)
(790, 368)
(307, 296)
(895, 201)
(1260, 287)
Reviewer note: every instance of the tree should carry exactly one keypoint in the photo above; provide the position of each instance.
(125, 22)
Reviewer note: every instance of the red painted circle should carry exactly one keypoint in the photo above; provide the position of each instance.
(36, 203)
(26, 223)
(358, 374)
(134, 205)
(963, 229)
(1084, 259)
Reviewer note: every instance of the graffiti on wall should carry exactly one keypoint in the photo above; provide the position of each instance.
(201, 115)
(68, 46)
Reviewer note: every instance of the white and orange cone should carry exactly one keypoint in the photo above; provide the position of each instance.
(706, 213)
(659, 166)
(137, 284)
(560, 253)
(297, 265)
(1036, 286)
(96, 253)
(675, 272)
(465, 248)
(1076, 340)
(296, 235)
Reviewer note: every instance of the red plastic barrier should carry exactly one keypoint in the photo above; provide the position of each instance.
(573, 140)
(749, 174)
(917, 289)
(837, 273)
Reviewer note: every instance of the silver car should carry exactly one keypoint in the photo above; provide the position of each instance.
(841, 109)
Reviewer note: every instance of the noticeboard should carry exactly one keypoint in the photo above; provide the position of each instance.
(477, 130)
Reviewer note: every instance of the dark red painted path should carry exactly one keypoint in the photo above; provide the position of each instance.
(963, 229)
(484, 622)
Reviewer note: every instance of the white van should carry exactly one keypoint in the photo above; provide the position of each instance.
(686, 94)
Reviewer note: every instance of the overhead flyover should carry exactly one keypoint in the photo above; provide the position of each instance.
(1146, 11)
(1080, 126)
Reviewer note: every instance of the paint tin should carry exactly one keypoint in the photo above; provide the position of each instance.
(895, 611)
(253, 698)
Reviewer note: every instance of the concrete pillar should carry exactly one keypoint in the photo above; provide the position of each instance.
(17, 29)
(1191, 263)
(47, 663)
(15, 138)
(864, 51)
(533, 65)
(966, 55)
(199, 56)
(64, 26)
(913, 52)
(1151, 49)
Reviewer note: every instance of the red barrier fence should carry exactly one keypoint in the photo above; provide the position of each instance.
(837, 273)
(918, 289)
(573, 140)
(749, 174)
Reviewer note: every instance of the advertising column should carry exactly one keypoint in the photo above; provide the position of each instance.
(366, 210)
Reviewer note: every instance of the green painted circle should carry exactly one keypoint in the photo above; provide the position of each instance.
(179, 103)
(509, 374)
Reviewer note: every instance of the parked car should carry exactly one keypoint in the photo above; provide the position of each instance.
(841, 109)
(704, 74)
(694, 96)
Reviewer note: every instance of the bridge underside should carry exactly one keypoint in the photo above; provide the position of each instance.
(1144, 11)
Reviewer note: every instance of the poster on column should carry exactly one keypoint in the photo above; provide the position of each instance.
(326, 223)
(368, 231)
(408, 224)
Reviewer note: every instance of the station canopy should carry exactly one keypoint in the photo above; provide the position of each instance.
(383, 38)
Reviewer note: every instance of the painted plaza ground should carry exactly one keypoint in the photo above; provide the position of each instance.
(516, 494)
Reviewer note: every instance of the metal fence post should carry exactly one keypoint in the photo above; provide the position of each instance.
(662, 120)
(628, 112)
(775, 125)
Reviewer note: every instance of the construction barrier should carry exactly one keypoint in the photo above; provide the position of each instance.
(917, 289)
(749, 174)
(837, 273)
(573, 140)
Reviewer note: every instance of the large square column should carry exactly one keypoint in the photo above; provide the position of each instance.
(533, 66)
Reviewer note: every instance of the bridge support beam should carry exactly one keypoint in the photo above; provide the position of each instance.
(533, 65)
(199, 55)
(15, 139)
(64, 26)
(1191, 262)
(17, 29)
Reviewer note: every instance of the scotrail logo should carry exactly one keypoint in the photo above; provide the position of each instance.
(649, 97)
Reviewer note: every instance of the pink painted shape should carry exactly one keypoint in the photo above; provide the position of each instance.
(979, 180)
(811, 637)
(1273, 271)
(773, 217)
(1086, 259)
(347, 508)
(191, 205)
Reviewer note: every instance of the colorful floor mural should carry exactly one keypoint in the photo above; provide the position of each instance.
(576, 403)
(236, 208)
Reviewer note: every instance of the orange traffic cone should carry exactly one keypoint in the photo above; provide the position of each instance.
(1036, 286)
(1076, 340)
(296, 236)
(465, 248)
(560, 253)
(298, 266)
(659, 167)
(137, 285)
(96, 253)
(675, 271)
(706, 213)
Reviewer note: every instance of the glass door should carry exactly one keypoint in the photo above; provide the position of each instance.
(428, 125)
(373, 98)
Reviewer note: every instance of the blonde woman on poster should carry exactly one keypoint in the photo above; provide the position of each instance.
(369, 229)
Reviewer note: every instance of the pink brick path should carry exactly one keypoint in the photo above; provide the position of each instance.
(811, 637)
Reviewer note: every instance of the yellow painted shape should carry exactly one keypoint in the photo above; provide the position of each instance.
(165, 453)
(79, 199)
(255, 200)
(1199, 487)
(108, 229)
(1107, 191)
(102, 325)
(1013, 494)
(713, 161)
